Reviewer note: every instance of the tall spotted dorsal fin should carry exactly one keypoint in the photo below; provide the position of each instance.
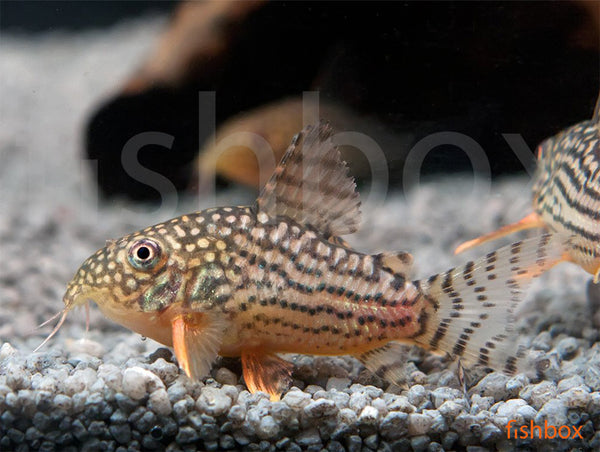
(311, 185)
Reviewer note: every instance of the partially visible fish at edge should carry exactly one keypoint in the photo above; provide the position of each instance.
(566, 194)
(275, 277)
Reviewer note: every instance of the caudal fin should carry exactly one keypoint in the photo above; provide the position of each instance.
(470, 309)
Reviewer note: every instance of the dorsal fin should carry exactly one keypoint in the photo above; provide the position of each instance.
(311, 185)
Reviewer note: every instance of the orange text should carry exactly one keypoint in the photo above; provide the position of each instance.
(545, 432)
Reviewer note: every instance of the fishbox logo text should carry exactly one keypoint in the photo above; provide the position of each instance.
(546, 432)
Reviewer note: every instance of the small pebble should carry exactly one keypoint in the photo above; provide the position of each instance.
(399, 403)
(297, 399)
(418, 424)
(267, 428)
(592, 378)
(227, 442)
(567, 348)
(394, 425)
(353, 443)
(420, 443)
(537, 395)
(358, 401)
(490, 434)
(7, 351)
(338, 384)
(121, 433)
(308, 438)
(449, 439)
(166, 371)
(416, 395)
(186, 435)
(347, 416)
(554, 412)
(369, 415)
(372, 441)
(515, 384)
(492, 385)
(226, 377)
(159, 402)
(320, 408)
(137, 382)
(510, 409)
(441, 395)
(479, 403)
(571, 382)
(213, 401)
(577, 397)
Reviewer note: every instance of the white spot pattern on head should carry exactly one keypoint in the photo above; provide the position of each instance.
(179, 231)
(174, 243)
(262, 217)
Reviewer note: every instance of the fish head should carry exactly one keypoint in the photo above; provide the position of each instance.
(119, 273)
(133, 280)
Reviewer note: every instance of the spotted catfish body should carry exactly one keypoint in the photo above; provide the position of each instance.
(566, 194)
(276, 277)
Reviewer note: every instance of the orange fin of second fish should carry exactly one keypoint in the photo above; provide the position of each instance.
(266, 372)
(196, 340)
(530, 221)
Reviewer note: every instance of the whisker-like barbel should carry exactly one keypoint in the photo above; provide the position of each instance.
(63, 316)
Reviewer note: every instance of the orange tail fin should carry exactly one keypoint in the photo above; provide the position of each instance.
(530, 221)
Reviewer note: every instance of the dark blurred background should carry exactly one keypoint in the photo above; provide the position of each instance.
(42, 16)
(478, 68)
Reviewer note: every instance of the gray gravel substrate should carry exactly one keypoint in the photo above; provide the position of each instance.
(110, 390)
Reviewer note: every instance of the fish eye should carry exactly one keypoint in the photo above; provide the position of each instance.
(144, 254)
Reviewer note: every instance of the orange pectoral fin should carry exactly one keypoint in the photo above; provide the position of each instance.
(530, 221)
(196, 340)
(266, 372)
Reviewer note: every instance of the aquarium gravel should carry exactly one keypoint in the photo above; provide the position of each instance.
(109, 389)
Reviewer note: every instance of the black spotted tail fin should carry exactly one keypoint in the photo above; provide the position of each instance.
(470, 309)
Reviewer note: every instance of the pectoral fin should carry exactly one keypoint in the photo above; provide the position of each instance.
(266, 372)
(196, 340)
(530, 221)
